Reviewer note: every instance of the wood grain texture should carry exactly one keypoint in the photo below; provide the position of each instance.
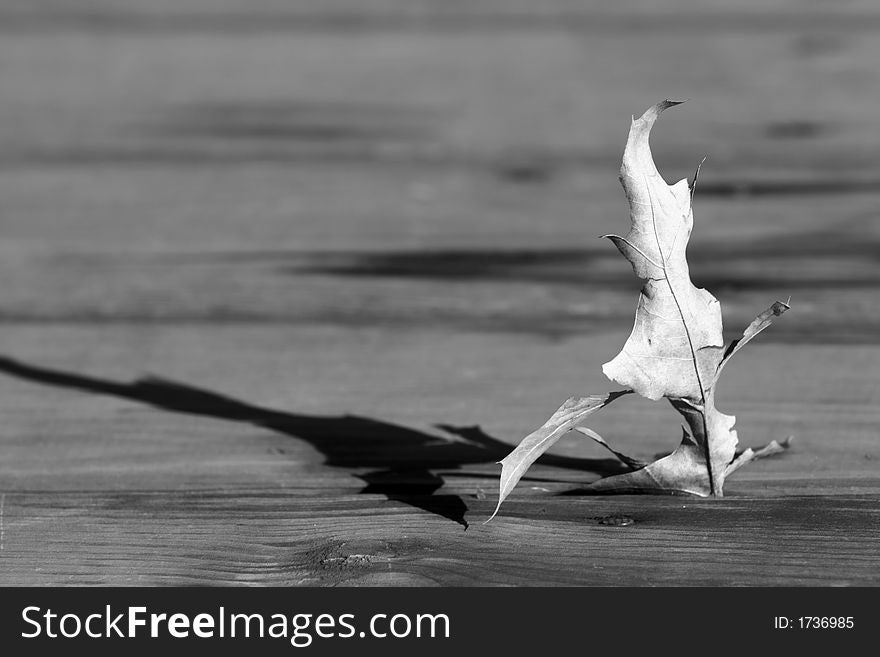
(295, 538)
(282, 282)
(243, 479)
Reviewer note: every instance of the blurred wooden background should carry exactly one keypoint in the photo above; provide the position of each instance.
(281, 281)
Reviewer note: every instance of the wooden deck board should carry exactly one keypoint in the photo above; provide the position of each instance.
(278, 292)
(165, 481)
(282, 538)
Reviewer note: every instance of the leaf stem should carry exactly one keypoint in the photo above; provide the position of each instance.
(689, 338)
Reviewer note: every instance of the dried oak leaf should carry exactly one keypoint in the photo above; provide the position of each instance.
(675, 349)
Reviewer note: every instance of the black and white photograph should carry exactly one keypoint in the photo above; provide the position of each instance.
(439, 293)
